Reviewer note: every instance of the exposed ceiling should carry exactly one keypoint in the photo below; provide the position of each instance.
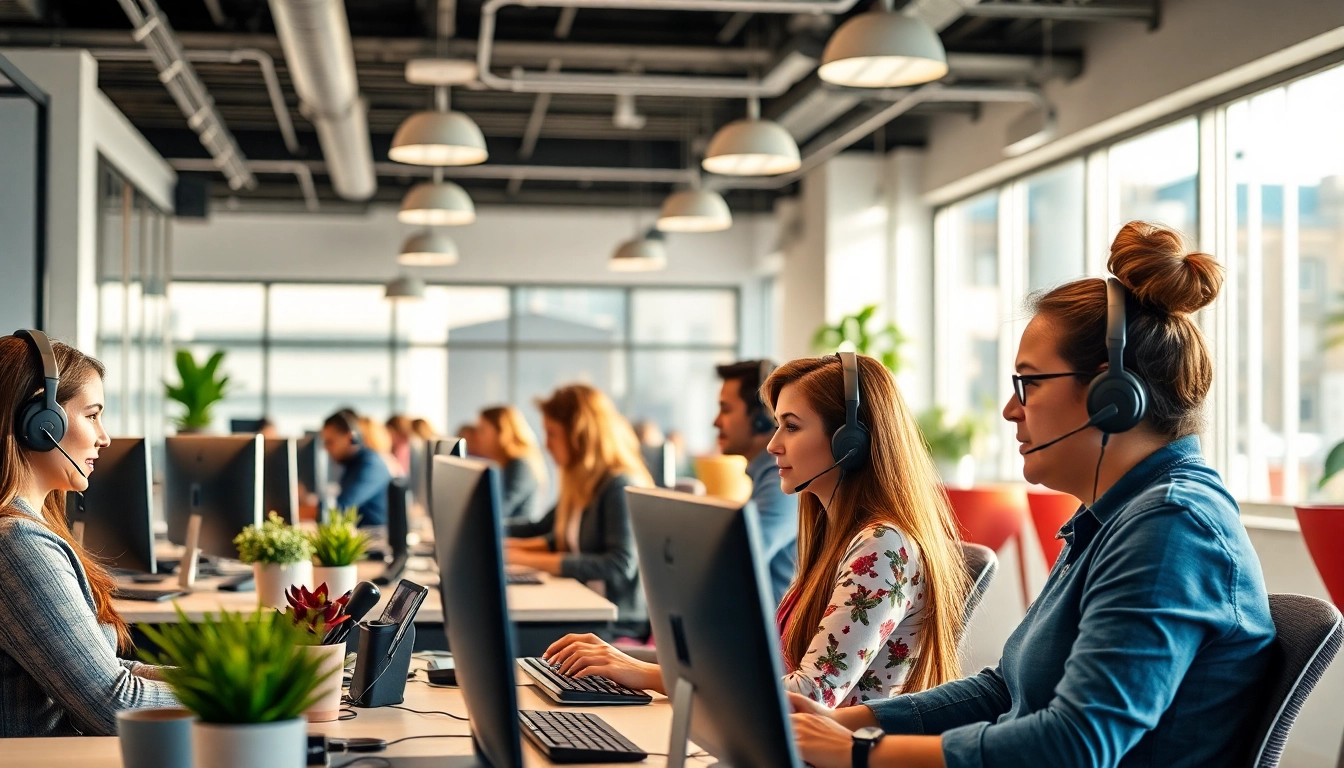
(993, 45)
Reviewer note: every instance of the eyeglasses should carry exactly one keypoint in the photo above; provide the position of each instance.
(1020, 382)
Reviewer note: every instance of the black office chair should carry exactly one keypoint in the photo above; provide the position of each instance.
(398, 528)
(1309, 633)
(981, 564)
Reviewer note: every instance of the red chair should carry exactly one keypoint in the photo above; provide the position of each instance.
(1050, 510)
(1323, 530)
(989, 516)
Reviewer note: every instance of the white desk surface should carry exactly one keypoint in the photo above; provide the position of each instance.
(555, 600)
(649, 727)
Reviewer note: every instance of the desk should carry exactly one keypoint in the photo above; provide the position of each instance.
(649, 727)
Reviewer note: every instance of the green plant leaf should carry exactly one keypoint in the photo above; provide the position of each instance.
(199, 389)
(1333, 464)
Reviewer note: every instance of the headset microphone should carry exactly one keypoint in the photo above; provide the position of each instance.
(1097, 418)
(838, 462)
(66, 455)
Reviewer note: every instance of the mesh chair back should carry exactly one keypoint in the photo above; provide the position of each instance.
(981, 563)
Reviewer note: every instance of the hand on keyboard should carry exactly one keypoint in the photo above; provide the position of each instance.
(588, 655)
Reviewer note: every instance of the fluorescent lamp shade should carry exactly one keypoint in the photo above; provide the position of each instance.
(694, 210)
(438, 138)
(437, 204)
(752, 148)
(883, 50)
(428, 249)
(643, 254)
(406, 288)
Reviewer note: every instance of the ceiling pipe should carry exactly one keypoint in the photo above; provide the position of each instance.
(316, 39)
(1081, 12)
(597, 174)
(301, 171)
(237, 56)
(791, 68)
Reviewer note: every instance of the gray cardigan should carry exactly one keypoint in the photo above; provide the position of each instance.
(59, 671)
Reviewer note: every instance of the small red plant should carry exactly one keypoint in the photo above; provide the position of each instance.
(313, 611)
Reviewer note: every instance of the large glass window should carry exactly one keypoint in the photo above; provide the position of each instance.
(1055, 218)
(1155, 177)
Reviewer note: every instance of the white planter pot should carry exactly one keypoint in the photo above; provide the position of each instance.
(274, 745)
(339, 579)
(957, 473)
(328, 707)
(273, 580)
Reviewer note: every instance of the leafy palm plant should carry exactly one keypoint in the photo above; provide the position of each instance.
(1334, 461)
(882, 343)
(199, 390)
(339, 541)
(238, 668)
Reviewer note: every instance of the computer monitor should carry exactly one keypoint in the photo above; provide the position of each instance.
(709, 604)
(115, 516)
(245, 426)
(312, 463)
(218, 478)
(279, 478)
(661, 461)
(453, 446)
(468, 533)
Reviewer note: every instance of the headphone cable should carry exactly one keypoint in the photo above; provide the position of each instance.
(1096, 477)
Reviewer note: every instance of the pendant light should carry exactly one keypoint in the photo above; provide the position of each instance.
(437, 203)
(752, 147)
(441, 137)
(883, 49)
(405, 288)
(429, 248)
(645, 253)
(694, 210)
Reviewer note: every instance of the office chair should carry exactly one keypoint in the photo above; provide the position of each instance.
(1309, 633)
(398, 528)
(981, 564)
(661, 461)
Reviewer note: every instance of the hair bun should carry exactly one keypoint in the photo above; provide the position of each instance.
(1151, 261)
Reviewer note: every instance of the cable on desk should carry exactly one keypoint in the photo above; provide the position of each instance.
(347, 711)
(431, 736)
(427, 712)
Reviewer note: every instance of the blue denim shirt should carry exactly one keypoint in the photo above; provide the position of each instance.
(364, 483)
(1144, 648)
(779, 522)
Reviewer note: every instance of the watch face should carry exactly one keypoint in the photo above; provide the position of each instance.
(870, 733)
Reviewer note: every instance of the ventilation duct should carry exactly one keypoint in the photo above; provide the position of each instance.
(316, 40)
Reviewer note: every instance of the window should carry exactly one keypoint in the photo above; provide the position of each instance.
(1055, 219)
(1155, 177)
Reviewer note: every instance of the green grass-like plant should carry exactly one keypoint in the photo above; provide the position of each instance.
(339, 541)
(948, 441)
(882, 343)
(202, 386)
(238, 668)
(273, 542)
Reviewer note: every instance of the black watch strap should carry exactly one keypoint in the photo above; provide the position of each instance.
(864, 741)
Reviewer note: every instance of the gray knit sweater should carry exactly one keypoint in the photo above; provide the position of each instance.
(59, 671)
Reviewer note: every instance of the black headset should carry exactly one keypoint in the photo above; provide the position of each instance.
(351, 426)
(1115, 386)
(42, 422)
(849, 444)
(762, 422)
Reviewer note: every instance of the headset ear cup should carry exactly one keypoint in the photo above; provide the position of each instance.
(850, 438)
(36, 422)
(1123, 390)
(762, 423)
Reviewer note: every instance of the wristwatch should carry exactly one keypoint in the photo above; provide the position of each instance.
(864, 741)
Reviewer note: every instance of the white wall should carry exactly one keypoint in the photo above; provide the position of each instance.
(18, 213)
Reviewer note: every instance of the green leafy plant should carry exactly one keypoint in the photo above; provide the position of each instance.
(201, 387)
(339, 541)
(948, 441)
(1334, 461)
(882, 343)
(273, 542)
(238, 668)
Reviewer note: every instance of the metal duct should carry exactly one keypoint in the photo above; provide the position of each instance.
(316, 40)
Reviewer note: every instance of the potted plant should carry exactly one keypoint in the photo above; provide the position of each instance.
(280, 556)
(199, 390)
(337, 545)
(248, 679)
(950, 445)
(882, 343)
(316, 614)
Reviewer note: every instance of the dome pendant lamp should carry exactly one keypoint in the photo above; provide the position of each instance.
(752, 147)
(439, 138)
(883, 49)
(405, 288)
(429, 248)
(645, 253)
(437, 203)
(694, 210)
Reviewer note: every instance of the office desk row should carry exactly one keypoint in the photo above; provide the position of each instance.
(649, 727)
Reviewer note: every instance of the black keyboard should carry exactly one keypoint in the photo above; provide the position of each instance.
(145, 595)
(577, 737)
(580, 690)
(523, 577)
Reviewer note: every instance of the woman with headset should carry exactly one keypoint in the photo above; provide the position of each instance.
(1153, 630)
(59, 634)
(503, 436)
(876, 606)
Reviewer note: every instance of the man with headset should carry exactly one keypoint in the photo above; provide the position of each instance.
(745, 428)
(364, 475)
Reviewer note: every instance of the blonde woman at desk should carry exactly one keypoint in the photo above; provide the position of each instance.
(876, 606)
(59, 634)
(503, 436)
(587, 535)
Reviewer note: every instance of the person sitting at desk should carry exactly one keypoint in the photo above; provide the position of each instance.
(876, 607)
(59, 633)
(364, 475)
(745, 427)
(503, 436)
(587, 535)
(1153, 632)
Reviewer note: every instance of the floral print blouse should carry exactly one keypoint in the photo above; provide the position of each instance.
(868, 638)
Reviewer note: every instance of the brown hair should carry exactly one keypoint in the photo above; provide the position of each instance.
(517, 440)
(898, 487)
(399, 425)
(423, 430)
(1164, 347)
(601, 446)
(21, 383)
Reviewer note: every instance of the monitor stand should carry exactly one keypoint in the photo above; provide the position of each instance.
(191, 556)
(681, 723)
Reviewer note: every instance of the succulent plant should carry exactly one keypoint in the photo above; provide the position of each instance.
(314, 611)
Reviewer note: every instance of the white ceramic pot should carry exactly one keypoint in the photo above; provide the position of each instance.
(339, 579)
(274, 745)
(328, 706)
(273, 579)
(957, 473)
